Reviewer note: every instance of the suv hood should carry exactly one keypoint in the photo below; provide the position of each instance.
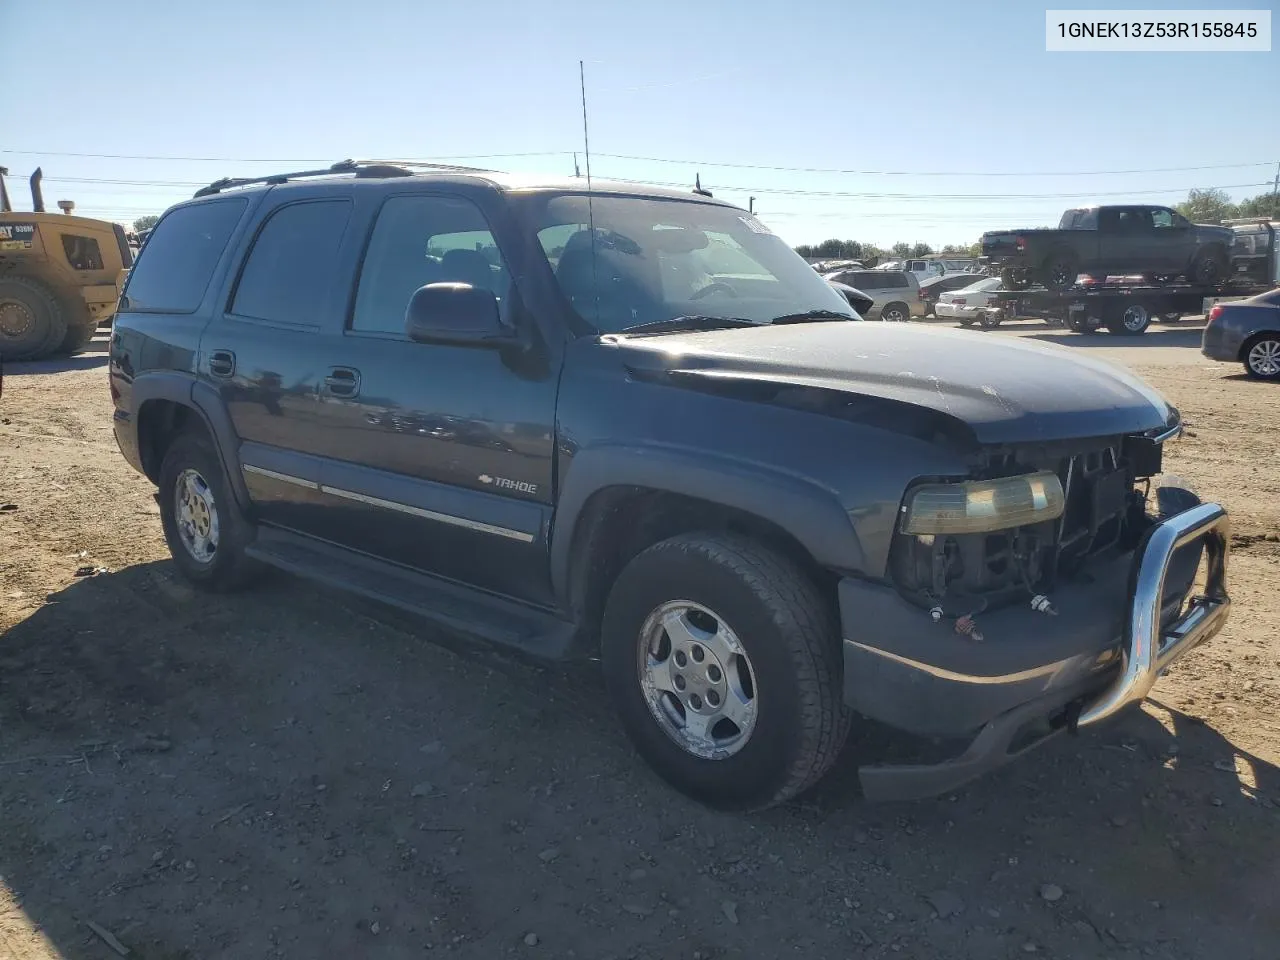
(1005, 391)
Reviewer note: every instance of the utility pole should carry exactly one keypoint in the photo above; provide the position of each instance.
(751, 205)
(1275, 195)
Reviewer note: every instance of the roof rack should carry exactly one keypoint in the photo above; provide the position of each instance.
(361, 168)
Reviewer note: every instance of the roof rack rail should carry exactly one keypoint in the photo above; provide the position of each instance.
(361, 168)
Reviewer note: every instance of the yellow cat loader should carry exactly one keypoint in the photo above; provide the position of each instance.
(60, 276)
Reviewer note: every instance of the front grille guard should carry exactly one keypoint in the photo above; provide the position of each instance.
(1148, 649)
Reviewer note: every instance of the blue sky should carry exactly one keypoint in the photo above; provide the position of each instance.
(956, 98)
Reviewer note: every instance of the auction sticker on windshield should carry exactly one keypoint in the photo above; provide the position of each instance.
(754, 225)
(1157, 31)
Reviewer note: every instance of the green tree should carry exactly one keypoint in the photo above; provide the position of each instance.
(145, 223)
(1263, 205)
(901, 249)
(921, 250)
(1210, 205)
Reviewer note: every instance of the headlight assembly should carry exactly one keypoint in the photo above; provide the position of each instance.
(981, 506)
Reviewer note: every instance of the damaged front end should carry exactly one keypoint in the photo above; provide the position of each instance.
(1042, 593)
(1027, 520)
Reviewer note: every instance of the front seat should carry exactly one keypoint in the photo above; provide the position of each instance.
(467, 266)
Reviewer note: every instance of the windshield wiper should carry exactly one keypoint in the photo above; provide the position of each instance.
(690, 322)
(809, 315)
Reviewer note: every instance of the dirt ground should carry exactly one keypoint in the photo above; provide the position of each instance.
(294, 773)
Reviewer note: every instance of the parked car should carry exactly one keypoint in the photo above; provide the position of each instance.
(968, 302)
(634, 427)
(1248, 332)
(1154, 241)
(895, 293)
(860, 301)
(921, 269)
(934, 287)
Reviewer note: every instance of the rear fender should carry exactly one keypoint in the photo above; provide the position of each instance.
(186, 390)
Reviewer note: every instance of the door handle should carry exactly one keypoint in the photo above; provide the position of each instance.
(222, 363)
(342, 381)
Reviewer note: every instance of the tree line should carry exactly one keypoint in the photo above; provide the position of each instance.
(1212, 205)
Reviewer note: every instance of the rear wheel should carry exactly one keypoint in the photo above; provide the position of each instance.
(1262, 357)
(32, 322)
(78, 336)
(1134, 320)
(988, 320)
(1060, 270)
(1014, 278)
(723, 661)
(202, 524)
(895, 313)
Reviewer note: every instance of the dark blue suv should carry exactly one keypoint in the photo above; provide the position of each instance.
(605, 420)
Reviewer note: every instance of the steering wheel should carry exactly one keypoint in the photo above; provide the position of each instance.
(717, 287)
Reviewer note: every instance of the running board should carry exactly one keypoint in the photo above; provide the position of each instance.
(473, 613)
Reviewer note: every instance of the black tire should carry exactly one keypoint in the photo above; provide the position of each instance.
(966, 321)
(1209, 267)
(227, 568)
(1079, 323)
(78, 336)
(988, 321)
(1060, 270)
(1261, 357)
(895, 312)
(32, 321)
(1014, 278)
(1132, 321)
(789, 635)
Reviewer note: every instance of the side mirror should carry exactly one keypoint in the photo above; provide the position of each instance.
(455, 313)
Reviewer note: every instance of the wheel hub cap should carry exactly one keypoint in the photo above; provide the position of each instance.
(1135, 318)
(196, 515)
(697, 680)
(15, 319)
(1264, 358)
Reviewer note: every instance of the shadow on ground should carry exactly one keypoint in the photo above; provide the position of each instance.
(83, 361)
(1189, 336)
(285, 773)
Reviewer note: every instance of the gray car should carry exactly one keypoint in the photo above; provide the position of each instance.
(1248, 332)
(895, 293)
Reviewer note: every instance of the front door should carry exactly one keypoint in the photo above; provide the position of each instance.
(438, 457)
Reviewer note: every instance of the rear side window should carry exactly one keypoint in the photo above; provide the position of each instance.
(866, 280)
(174, 268)
(896, 280)
(285, 279)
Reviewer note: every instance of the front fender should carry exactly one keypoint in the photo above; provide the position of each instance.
(806, 510)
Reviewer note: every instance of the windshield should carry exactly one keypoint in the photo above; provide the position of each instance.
(658, 259)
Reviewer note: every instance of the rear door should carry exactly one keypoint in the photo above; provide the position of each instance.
(266, 351)
(1170, 242)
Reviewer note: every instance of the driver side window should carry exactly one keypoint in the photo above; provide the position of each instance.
(419, 240)
(1163, 219)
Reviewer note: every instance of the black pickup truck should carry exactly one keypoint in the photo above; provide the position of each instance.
(632, 424)
(1120, 240)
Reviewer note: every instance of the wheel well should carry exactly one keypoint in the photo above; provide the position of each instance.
(620, 522)
(1248, 344)
(159, 423)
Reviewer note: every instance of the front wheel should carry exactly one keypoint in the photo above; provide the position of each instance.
(895, 313)
(1209, 267)
(1262, 357)
(1014, 278)
(32, 322)
(724, 663)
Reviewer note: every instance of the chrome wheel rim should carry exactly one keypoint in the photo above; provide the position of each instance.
(15, 319)
(196, 514)
(1264, 358)
(1136, 318)
(697, 680)
(894, 316)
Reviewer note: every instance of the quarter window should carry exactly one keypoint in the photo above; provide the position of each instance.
(174, 268)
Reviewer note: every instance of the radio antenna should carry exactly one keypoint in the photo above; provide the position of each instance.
(591, 220)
